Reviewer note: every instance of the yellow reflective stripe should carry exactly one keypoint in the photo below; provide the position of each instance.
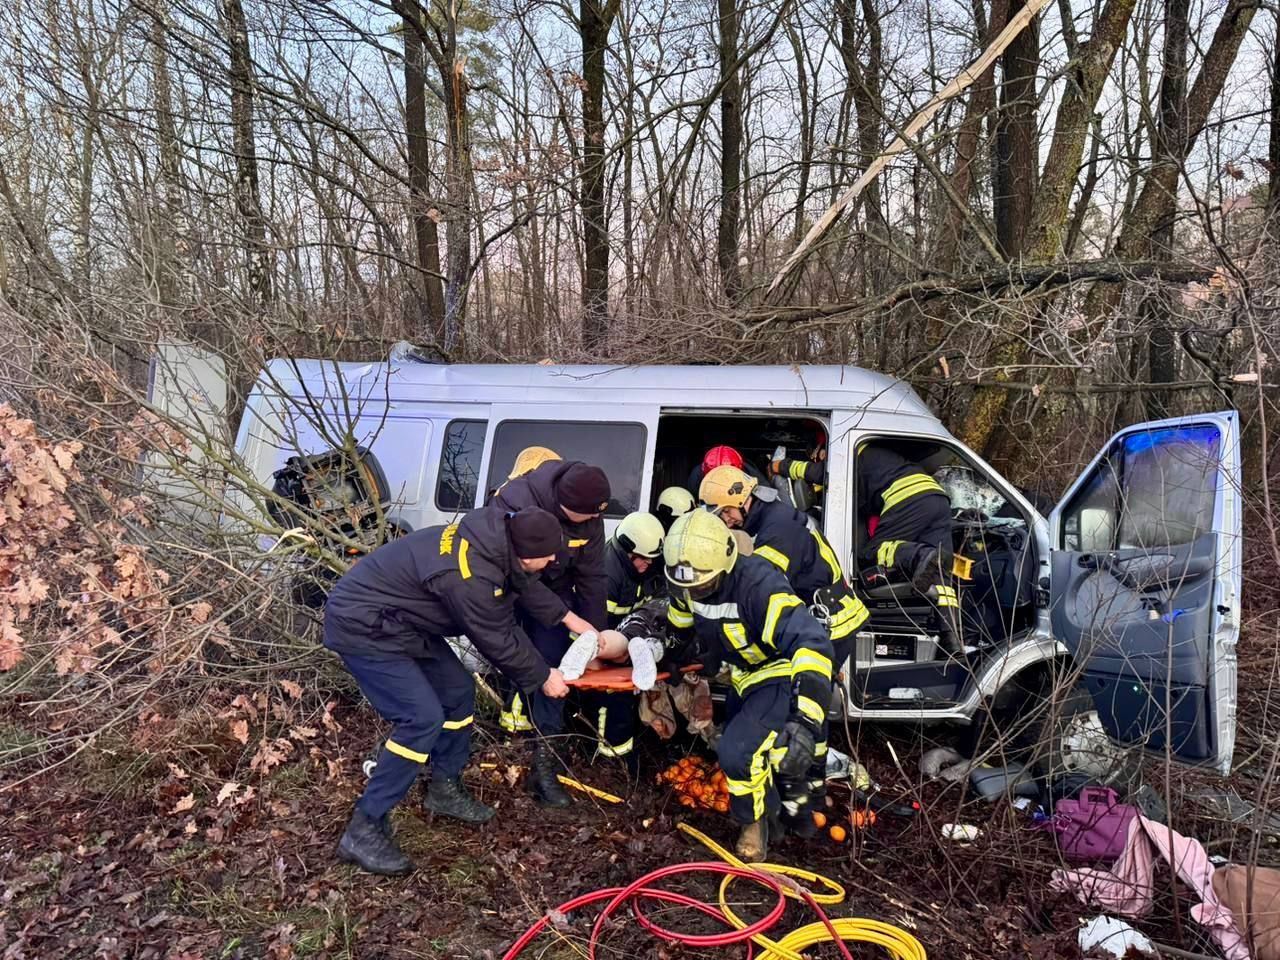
(761, 772)
(464, 566)
(403, 751)
(947, 596)
(776, 557)
(607, 749)
(829, 555)
(906, 487)
(777, 603)
(811, 709)
(887, 551)
(737, 636)
(679, 618)
(513, 719)
(743, 679)
(853, 613)
(796, 469)
(618, 608)
(583, 543)
(820, 748)
(459, 724)
(811, 661)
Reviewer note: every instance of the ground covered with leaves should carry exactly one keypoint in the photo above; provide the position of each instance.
(211, 835)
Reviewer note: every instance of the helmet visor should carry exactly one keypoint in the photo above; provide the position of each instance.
(690, 584)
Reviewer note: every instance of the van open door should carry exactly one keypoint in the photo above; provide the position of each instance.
(1145, 584)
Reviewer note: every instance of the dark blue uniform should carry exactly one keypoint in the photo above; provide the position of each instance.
(387, 618)
(781, 669)
(575, 581)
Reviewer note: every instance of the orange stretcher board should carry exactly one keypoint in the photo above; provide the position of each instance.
(618, 678)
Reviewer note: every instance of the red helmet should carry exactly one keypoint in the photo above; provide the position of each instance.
(721, 456)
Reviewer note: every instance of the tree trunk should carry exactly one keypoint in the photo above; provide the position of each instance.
(865, 87)
(248, 202)
(1017, 141)
(730, 152)
(1273, 155)
(1171, 136)
(458, 197)
(593, 27)
(428, 293)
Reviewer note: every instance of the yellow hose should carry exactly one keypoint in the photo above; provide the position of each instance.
(899, 944)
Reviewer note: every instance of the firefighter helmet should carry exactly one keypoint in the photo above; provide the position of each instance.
(726, 487)
(529, 459)
(641, 534)
(673, 502)
(721, 456)
(698, 553)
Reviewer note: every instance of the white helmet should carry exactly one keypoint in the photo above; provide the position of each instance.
(673, 502)
(641, 534)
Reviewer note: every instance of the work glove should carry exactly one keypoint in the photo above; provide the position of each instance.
(800, 743)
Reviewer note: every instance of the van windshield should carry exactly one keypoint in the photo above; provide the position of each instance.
(616, 448)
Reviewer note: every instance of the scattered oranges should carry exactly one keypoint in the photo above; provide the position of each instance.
(820, 819)
(838, 834)
(699, 784)
(860, 819)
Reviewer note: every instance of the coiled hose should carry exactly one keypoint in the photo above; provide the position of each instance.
(899, 944)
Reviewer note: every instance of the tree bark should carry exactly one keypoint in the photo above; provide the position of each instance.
(429, 295)
(865, 86)
(1017, 141)
(261, 262)
(594, 22)
(730, 152)
(1273, 153)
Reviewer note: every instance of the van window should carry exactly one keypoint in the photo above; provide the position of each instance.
(460, 464)
(617, 448)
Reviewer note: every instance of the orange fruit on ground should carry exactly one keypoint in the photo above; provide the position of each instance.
(820, 819)
(838, 834)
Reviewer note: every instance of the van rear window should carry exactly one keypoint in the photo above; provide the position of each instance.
(617, 448)
(460, 464)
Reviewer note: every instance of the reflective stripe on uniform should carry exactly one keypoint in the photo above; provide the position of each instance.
(849, 617)
(604, 746)
(464, 566)
(736, 633)
(744, 679)
(947, 596)
(761, 773)
(795, 470)
(459, 724)
(777, 603)
(716, 611)
(887, 551)
(618, 608)
(820, 748)
(776, 557)
(514, 719)
(811, 709)
(811, 661)
(680, 619)
(906, 487)
(402, 751)
(578, 543)
(829, 555)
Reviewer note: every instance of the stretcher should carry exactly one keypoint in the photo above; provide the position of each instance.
(618, 678)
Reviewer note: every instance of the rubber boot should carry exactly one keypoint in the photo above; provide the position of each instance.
(365, 844)
(753, 842)
(544, 786)
(448, 797)
(926, 572)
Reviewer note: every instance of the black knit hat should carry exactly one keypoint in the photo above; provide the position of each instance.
(583, 489)
(534, 533)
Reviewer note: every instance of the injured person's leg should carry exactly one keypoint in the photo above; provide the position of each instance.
(584, 649)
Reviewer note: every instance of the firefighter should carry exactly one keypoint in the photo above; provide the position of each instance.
(633, 583)
(387, 618)
(673, 502)
(743, 608)
(908, 517)
(786, 538)
(566, 607)
(719, 457)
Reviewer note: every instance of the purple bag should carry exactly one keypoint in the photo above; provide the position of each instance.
(1094, 826)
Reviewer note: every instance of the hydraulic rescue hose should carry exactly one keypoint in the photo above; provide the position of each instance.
(899, 944)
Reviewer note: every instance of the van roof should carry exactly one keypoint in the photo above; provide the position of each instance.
(794, 386)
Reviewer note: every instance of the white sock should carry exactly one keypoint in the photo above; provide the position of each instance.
(644, 663)
(581, 652)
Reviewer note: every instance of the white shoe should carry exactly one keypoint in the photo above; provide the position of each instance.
(581, 652)
(644, 663)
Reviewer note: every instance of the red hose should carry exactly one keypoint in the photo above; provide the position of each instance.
(640, 890)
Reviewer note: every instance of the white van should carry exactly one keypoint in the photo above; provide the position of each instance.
(1136, 574)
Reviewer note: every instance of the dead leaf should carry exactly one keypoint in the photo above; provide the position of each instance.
(185, 804)
(1235, 172)
(178, 772)
(291, 688)
(228, 790)
(200, 611)
(240, 730)
(946, 368)
(304, 733)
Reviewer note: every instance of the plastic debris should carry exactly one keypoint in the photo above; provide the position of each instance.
(1112, 937)
(961, 832)
(841, 766)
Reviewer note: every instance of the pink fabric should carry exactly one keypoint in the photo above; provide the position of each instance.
(1127, 888)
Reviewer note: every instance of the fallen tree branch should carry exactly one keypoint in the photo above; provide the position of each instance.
(1091, 388)
(990, 282)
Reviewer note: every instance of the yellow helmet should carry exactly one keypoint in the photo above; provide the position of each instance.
(673, 502)
(726, 487)
(641, 534)
(698, 552)
(530, 458)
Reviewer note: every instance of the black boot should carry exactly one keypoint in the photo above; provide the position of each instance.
(927, 570)
(448, 797)
(367, 845)
(543, 784)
